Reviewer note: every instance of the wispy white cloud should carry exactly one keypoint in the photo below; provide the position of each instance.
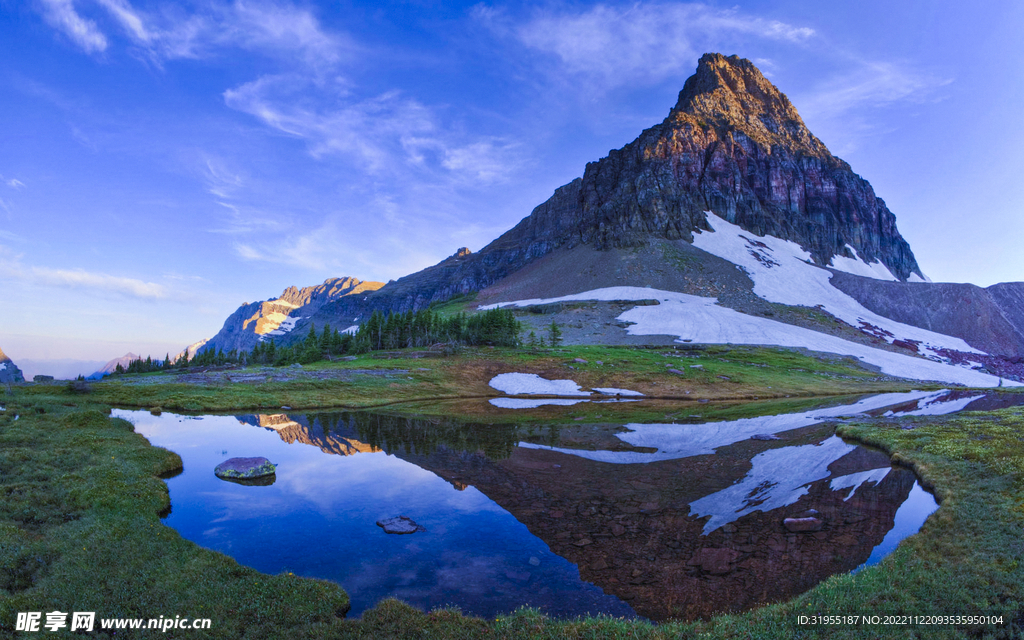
(381, 133)
(843, 109)
(269, 28)
(640, 43)
(12, 267)
(80, 278)
(62, 16)
(13, 183)
(872, 83)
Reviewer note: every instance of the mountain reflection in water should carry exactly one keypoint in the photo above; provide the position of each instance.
(511, 512)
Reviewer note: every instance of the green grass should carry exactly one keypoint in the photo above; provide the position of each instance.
(79, 530)
(724, 373)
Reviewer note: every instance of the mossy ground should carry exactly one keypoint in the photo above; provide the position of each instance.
(79, 530)
(713, 373)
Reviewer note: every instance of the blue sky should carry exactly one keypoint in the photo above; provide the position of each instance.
(162, 162)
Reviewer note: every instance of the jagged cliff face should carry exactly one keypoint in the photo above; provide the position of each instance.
(278, 317)
(9, 372)
(733, 144)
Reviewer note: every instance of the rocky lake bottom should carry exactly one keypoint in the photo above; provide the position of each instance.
(680, 519)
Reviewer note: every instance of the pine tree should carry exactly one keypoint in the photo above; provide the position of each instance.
(554, 334)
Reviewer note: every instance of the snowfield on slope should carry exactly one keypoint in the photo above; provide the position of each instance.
(782, 273)
(702, 320)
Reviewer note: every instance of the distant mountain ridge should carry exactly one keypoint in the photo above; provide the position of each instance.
(252, 322)
(9, 372)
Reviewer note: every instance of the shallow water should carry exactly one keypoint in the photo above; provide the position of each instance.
(657, 520)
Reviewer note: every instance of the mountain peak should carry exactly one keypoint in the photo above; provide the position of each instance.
(730, 93)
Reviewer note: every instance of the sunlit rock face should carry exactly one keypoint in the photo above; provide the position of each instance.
(9, 372)
(276, 318)
(296, 429)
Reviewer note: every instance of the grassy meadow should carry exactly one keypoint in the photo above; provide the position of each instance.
(81, 498)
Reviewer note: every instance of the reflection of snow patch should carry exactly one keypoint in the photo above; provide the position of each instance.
(792, 280)
(702, 320)
(527, 403)
(778, 478)
(673, 441)
(612, 391)
(531, 383)
(935, 405)
(855, 480)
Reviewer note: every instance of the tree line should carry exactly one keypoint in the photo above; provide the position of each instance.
(409, 329)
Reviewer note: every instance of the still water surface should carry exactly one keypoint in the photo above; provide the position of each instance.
(680, 519)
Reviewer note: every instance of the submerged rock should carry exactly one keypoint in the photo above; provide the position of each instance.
(399, 525)
(245, 468)
(765, 436)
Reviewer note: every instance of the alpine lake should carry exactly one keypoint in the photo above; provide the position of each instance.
(699, 513)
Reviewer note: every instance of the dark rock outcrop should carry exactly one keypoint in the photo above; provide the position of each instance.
(9, 372)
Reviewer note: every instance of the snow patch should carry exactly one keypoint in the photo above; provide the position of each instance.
(531, 383)
(782, 272)
(283, 303)
(916, 278)
(3, 365)
(778, 478)
(858, 267)
(612, 391)
(855, 480)
(352, 330)
(527, 403)
(702, 320)
(286, 325)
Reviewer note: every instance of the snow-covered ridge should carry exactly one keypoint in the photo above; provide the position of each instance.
(782, 272)
(702, 320)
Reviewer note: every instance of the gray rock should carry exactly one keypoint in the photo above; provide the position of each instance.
(399, 525)
(245, 468)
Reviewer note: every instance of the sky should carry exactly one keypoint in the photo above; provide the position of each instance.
(163, 162)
